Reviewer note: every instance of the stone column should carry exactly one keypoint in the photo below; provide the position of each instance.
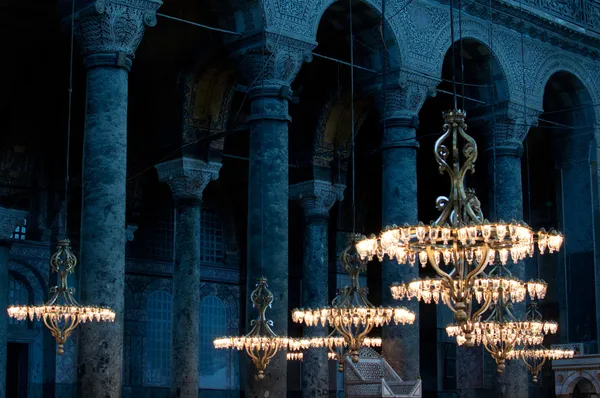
(9, 219)
(506, 203)
(269, 65)
(316, 198)
(399, 206)
(108, 33)
(187, 179)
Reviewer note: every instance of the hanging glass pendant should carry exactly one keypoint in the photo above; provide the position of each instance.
(62, 313)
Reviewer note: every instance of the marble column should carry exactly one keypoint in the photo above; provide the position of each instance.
(399, 206)
(9, 219)
(316, 198)
(187, 178)
(506, 203)
(269, 65)
(108, 33)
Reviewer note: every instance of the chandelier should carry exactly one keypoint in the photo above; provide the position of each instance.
(461, 242)
(351, 313)
(501, 332)
(62, 313)
(536, 356)
(261, 343)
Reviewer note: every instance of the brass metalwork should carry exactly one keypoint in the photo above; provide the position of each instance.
(62, 313)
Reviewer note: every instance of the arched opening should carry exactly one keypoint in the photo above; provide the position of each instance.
(558, 183)
(214, 369)
(584, 389)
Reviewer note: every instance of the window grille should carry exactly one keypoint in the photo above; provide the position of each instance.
(213, 324)
(20, 231)
(158, 341)
(17, 295)
(211, 238)
(163, 249)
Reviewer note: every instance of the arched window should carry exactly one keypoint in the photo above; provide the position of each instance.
(213, 323)
(211, 238)
(20, 231)
(17, 295)
(158, 339)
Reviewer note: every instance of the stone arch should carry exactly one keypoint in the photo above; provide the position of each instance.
(208, 94)
(571, 381)
(163, 284)
(332, 130)
(477, 31)
(553, 64)
(319, 7)
(29, 275)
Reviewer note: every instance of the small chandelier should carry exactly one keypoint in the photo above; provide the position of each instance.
(461, 242)
(501, 332)
(261, 343)
(351, 313)
(536, 356)
(62, 313)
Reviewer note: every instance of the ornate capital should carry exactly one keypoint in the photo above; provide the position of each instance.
(9, 220)
(404, 95)
(109, 31)
(317, 197)
(187, 177)
(271, 58)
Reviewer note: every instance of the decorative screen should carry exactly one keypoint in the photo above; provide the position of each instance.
(211, 238)
(213, 324)
(158, 339)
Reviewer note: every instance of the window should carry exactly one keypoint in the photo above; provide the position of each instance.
(213, 324)
(211, 238)
(163, 248)
(20, 230)
(17, 295)
(158, 341)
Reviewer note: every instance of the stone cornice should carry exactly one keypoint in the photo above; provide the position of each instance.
(540, 25)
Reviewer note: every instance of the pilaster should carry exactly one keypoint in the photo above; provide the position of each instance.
(187, 179)
(317, 198)
(400, 107)
(9, 219)
(108, 33)
(503, 144)
(269, 63)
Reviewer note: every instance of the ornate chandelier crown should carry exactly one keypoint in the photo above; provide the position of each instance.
(261, 343)
(461, 243)
(62, 313)
(351, 313)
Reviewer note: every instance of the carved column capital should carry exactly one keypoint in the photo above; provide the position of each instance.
(405, 93)
(109, 31)
(9, 220)
(187, 177)
(317, 197)
(271, 59)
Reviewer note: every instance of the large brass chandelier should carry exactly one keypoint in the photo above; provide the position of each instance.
(536, 356)
(351, 313)
(501, 332)
(261, 343)
(461, 243)
(62, 313)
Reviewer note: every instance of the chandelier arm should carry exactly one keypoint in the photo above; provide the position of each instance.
(480, 266)
(436, 268)
(486, 305)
